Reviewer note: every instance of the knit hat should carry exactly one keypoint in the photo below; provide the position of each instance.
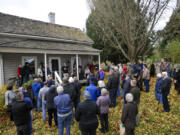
(101, 84)
(87, 94)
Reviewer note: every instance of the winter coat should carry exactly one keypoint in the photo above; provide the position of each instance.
(135, 91)
(166, 86)
(129, 114)
(127, 86)
(146, 74)
(78, 90)
(177, 78)
(49, 97)
(158, 93)
(36, 86)
(21, 113)
(113, 82)
(93, 80)
(103, 102)
(152, 70)
(101, 75)
(63, 103)
(9, 97)
(43, 92)
(94, 92)
(70, 89)
(50, 83)
(86, 115)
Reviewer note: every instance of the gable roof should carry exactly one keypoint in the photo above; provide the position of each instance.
(18, 25)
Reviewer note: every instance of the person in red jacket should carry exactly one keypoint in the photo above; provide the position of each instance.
(20, 74)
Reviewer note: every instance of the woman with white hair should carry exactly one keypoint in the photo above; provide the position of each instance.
(158, 93)
(129, 114)
(64, 111)
(103, 103)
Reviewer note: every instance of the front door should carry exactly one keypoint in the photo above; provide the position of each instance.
(55, 65)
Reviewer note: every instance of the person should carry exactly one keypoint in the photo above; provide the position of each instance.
(20, 75)
(165, 90)
(9, 98)
(36, 86)
(93, 79)
(69, 89)
(112, 86)
(93, 90)
(87, 72)
(146, 77)
(41, 96)
(26, 72)
(50, 81)
(103, 103)
(126, 87)
(135, 91)
(177, 81)
(64, 111)
(100, 74)
(91, 67)
(78, 92)
(40, 72)
(101, 85)
(65, 71)
(129, 114)
(158, 93)
(118, 75)
(21, 114)
(51, 107)
(152, 70)
(86, 115)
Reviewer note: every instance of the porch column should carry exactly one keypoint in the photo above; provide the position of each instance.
(45, 65)
(99, 57)
(77, 66)
(1, 71)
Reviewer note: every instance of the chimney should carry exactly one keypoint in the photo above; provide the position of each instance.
(51, 16)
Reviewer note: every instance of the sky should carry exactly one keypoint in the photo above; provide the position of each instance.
(68, 12)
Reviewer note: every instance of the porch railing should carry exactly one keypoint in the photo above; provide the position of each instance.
(58, 80)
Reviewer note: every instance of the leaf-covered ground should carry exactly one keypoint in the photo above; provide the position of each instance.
(152, 120)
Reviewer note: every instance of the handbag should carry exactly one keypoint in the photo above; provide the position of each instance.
(122, 129)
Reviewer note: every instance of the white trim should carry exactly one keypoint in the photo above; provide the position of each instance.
(45, 65)
(40, 51)
(72, 61)
(99, 57)
(28, 57)
(59, 61)
(1, 71)
(77, 66)
(45, 38)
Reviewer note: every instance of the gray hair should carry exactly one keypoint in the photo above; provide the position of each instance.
(103, 92)
(60, 89)
(19, 95)
(129, 97)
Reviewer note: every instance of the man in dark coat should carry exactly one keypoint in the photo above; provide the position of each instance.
(26, 72)
(93, 79)
(51, 107)
(69, 88)
(21, 114)
(126, 86)
(165, 90)
(86, 115)
(135, 91)
(129, 114)
(78, 91)
(177, 81)
(152, 70)
(112, 85)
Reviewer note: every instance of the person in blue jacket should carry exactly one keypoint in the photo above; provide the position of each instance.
(158, 93)
(93, 90)
(36, 86)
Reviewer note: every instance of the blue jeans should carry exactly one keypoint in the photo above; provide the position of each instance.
(146, 83)
(64, 122)
(113, 95)
(44, 110)
(38, 103)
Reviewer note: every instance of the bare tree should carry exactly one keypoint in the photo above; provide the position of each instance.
(128, 25)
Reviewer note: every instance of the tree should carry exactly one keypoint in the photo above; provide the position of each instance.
(128, 25)
(108, 52)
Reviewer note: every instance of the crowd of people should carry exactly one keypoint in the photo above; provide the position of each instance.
(63, 104)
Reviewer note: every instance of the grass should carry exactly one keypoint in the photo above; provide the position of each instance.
(152, 120)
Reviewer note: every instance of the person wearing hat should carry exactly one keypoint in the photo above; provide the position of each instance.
(91, 79)
(129, 114)
(41, 95)
(86, 115)
(158, 93)
(64, 111)
(93, 90)
(165, 90)
(103, 103)
(21, 114)
(101, 85)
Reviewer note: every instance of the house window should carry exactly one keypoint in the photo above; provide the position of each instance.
(32, 60)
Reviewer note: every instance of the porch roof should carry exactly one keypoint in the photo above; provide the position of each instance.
(44, 45)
